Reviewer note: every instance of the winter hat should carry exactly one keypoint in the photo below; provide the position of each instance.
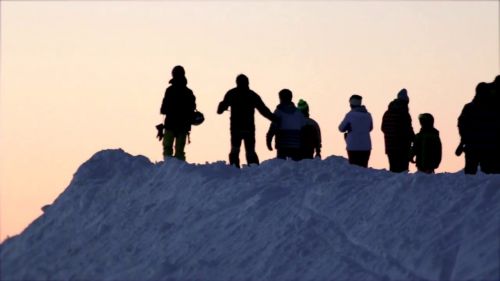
(303, 107)
(178, 71)
(403, 95)
(355, 100)
(285, 95)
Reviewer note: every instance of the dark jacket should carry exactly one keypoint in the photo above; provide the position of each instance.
(243, 103)
(311, 138)
(178, 106)
(427, 149)
(287, 127)
(478, 125)
(397, 128)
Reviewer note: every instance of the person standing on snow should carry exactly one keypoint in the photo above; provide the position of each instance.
(478, 127)
(178, 106)
(287, 128)
(310, 135)
(398, 133)
(243, 102)
(356, 126)
(427, 146)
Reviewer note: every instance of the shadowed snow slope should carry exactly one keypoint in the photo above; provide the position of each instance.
(125, 218)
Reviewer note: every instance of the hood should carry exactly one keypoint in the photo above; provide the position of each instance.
(288, 107)
(361, 108)
(178, 81)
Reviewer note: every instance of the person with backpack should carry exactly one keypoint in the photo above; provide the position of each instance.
(287, 128)
(243, 102)
(356, 126)
(398, 133)
(426, 148)
(310, 135)
(178, 106)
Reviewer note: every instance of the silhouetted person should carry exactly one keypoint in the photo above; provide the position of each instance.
(243, 103)
(398, 133)
(178, 106)
(427, 145)
(478, 126)
(495, 90)
(357, 125)
(287, 128)
(310, 135)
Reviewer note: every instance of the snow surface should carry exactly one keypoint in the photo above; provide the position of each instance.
(125, 218)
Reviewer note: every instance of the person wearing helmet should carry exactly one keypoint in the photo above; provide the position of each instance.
(243, 102)
(427, 146)
(310, 135)
(287, 128)
(178, 106)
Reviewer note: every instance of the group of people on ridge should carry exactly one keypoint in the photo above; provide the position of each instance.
(297, 136)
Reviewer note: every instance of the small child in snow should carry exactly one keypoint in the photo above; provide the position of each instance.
(427, 146)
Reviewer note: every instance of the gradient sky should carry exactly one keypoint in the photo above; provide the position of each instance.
(78, 77)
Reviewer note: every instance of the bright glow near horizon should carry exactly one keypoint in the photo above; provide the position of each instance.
(78, 77)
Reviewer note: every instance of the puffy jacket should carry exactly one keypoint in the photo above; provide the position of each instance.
(243, 103)
(311, 136)
(357, 124)
(287, 127)
(397, 128)
(178, 106)
(427, 149)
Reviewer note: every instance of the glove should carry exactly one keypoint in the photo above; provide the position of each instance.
(459, 150)
(269, 145)
(160, 134)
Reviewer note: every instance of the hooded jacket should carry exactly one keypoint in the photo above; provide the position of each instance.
(397, 128)
(178, 106)
(357, 124)
(427, 149)
(287, 127)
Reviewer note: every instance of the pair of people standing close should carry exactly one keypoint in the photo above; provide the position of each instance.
(402, 145)
(297, 136)
(287, 124)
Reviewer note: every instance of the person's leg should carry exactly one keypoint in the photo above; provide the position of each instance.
(180, 144)
(398, 162)
(364, 158)
(168, 142)
(234, 155)
(249, 139)
(471, 162)
(359, 158)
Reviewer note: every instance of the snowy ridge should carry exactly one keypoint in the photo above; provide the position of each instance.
(125, 218)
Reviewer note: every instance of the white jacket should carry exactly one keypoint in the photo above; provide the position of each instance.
(357, 124)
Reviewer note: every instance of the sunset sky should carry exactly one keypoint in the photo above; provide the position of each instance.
(81, 76)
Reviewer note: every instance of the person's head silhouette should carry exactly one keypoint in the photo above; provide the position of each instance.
(242, 81)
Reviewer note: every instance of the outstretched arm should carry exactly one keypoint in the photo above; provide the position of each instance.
(264, 110)
(224, 104)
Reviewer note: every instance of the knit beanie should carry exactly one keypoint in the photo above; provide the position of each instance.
(403, 95)
(303, 107)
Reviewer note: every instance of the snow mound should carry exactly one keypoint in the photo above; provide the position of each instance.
(125, 218)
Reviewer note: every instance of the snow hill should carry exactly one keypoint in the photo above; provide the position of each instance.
(125, 218)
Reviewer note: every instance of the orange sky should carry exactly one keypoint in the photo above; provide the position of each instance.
(78, 77)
